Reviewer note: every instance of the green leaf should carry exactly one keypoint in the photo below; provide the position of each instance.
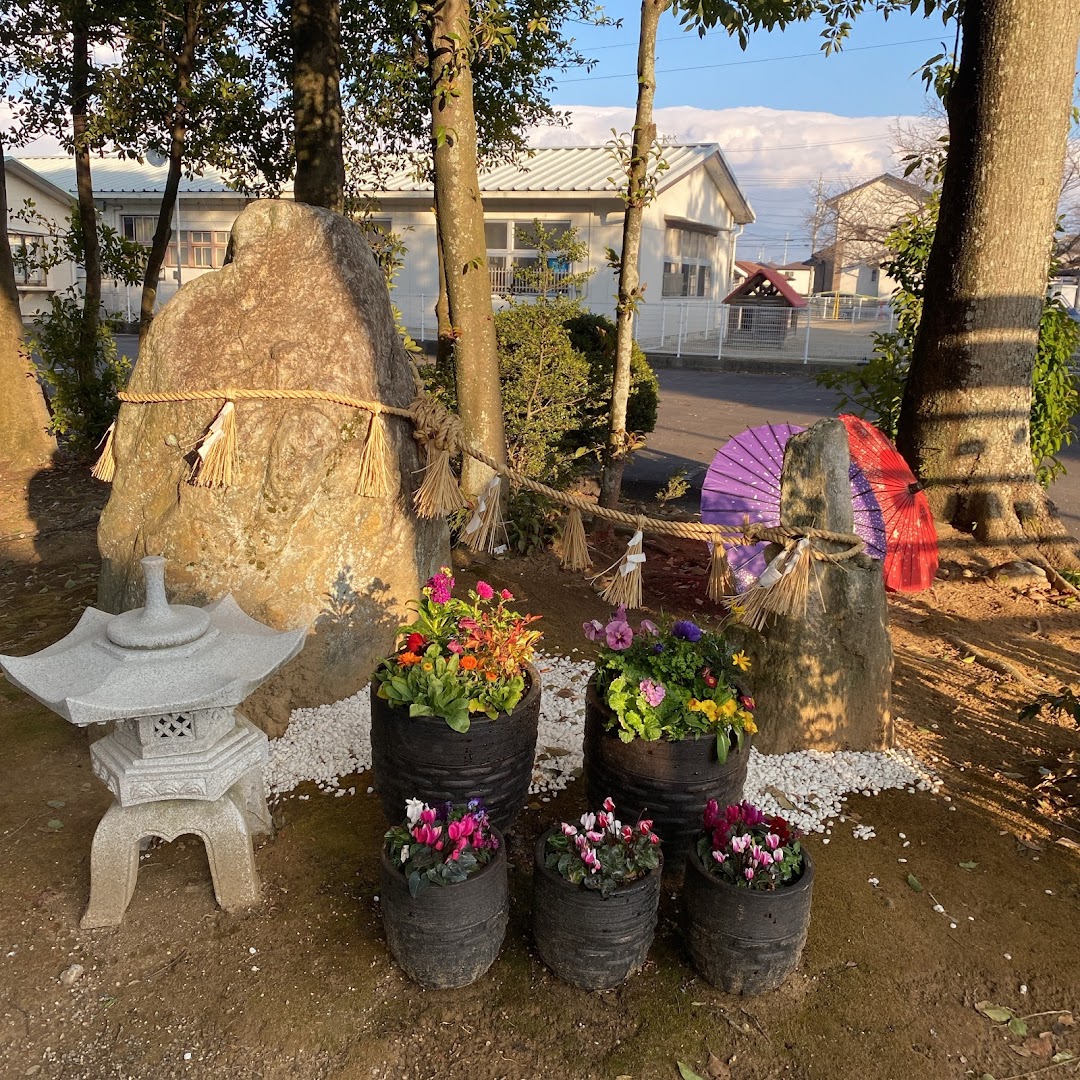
(722, 747)
(55, 823)
(459, 720)
(686, 1072)
(1018, 1027)
(1062, 1055)
(968, 865)
(998, 1013)
(914, 883)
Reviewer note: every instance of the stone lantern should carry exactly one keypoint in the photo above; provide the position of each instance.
(181, 759)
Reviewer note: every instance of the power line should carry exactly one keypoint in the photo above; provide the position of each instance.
(743, 63)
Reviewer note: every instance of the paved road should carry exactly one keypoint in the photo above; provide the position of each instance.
(700, 410)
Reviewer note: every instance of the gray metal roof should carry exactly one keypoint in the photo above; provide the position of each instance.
(113, 176)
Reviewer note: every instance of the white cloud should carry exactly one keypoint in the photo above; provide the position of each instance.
(776, 155)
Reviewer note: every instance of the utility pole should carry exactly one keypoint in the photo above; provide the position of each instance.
(787, 237)
(815, 221)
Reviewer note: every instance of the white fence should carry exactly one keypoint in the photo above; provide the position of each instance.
(822, 332)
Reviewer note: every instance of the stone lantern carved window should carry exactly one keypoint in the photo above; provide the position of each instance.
(174, 726)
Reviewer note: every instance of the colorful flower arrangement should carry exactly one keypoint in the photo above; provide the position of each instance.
(749, 848)
(674, 682)
(602, 853)
(441, 845)
(460, 657)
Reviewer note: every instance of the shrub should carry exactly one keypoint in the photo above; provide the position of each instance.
(82, 389)
(594, 337)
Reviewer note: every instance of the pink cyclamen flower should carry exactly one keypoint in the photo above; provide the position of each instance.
(654, 839)
(773, 841)
(739, 844)
(653, 692)
(719, 856)
(627, 834)
(602, 819)
(595, 837)
(618, 635)
(506, 594)
(568, 830)
(645, 826)
(589, 858)
(748, 873)
(484, 590)
(609, 804)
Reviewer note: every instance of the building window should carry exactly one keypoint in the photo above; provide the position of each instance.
(201, 249)
(511, 245)
(688, 262)
(26, 256)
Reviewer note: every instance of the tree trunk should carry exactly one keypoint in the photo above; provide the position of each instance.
(460, 214)
(444, 348)
(316, 48)
(185, 63)
(964, 422)
(24, 420)
(80, 98)
(637, 196)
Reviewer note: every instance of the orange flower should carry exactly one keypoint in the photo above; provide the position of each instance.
(468, 663)
(491, 676)
(406, 659)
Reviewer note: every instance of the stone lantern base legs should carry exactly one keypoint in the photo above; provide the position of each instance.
(226, 826)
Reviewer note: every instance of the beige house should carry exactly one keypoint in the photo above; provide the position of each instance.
(687, 249)
(857, 223)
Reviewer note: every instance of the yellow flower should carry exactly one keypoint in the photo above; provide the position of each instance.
(427, 665)
(694, 705)
(741, 661)
(748, 724)
(728, 708)
(737, 610)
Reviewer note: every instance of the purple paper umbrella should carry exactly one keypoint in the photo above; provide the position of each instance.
(743, 484)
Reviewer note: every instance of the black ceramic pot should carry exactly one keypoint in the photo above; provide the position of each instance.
(741, 940)
(447, 935)
(669, 782)
(422, 757)
(587, 940)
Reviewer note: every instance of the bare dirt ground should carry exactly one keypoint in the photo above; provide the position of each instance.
(304, 988)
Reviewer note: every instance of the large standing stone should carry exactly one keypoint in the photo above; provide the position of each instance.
(301, 305)
(823, 681)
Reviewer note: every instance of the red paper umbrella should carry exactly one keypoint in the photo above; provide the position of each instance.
(911, 558)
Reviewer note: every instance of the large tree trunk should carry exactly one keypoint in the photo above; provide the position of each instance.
(24, 420)
(629, 297)
(316, 47)
(965, 418)
(185, 63)
(460, 213)
(80, 99)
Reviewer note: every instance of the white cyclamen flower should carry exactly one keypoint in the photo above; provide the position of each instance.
(405, 853)
(413, 809)
(588, 822)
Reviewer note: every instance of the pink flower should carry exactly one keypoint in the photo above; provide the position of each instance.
(568, 830)
(654, 839)
(739, 844)
(593, 630)
(618, 635)
(773, 841)
(653, 692)
(440, 586)
(484, 590)
(602, 819)
(648, 627)
(506, 594)
(645, 826)
(627, 834)
(609, 804)
(748, 873)
(595, 837)
(455, 646)
(588, 857)
(719, 856)
(427, 816)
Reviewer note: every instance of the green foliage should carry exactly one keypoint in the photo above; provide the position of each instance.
(545, 388)
(594, 337)
(676, 486)
(82, 388)
(1065, 700)
(556, 254)
(875, 390)
(530, 522)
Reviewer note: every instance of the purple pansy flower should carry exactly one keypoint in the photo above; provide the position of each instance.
(618, 635)
(686, 630)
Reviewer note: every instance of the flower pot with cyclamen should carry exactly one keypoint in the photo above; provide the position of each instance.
(596, 888)
(443, 893)
(746, 900)
(454, 712)
(666, 726)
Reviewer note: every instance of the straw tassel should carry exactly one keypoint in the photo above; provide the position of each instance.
(625, 588)
(374, 472)
(721, 583)
(216, 458)
(438, 494)
(482, 530)
(782, 589)
(573, 547)
(105, 466)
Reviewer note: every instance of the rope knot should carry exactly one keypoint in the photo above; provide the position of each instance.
(435, 424)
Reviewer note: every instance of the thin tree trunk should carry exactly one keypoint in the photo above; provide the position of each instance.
(316, 47)
(965, 419)
(460, 213)
(24, 420)
(80, 98)
(644, 136)
(185, 64)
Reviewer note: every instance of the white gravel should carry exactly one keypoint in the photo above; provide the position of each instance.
(329, 742)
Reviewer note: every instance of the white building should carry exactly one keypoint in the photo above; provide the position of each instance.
(687, 248)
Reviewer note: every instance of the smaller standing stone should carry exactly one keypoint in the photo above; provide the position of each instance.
(823, 681)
